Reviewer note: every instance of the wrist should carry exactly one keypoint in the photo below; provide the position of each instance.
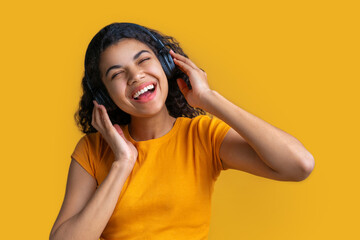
(207, 99)
(120, 166)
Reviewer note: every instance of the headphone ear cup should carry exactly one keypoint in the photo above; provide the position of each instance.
(168, 64)
(101, 97)
(106, 101)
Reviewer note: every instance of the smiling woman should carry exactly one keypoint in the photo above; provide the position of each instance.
(147, 166)
(121, 180)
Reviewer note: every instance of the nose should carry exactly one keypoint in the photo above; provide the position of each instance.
(136, 74)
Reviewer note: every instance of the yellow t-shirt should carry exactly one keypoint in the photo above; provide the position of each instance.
(168, 193)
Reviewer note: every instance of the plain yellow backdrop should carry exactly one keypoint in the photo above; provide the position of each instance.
(294, 64)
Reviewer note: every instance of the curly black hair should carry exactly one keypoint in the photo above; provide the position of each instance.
(176, 103)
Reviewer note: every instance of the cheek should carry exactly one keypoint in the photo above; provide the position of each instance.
(116, 91)
(156, 69)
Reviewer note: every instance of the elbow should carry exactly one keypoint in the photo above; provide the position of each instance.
(306, 167)
(51, 237)
(52, 234)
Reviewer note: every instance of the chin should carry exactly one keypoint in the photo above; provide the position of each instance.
(151, 111)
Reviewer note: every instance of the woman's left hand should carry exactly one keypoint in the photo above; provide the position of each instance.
(197, 78)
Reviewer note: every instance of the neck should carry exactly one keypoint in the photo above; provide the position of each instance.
(146, 128)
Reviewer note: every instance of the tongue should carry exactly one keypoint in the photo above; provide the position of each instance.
(144, 95)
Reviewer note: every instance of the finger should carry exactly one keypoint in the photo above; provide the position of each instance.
(119, 130)
(105, 117)
(98, 117)
(187, 61)
(182, 86)
(183, 59)
(183, 66)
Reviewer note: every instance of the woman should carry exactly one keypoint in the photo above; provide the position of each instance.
(147, 165)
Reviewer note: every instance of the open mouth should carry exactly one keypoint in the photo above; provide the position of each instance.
(148, 95)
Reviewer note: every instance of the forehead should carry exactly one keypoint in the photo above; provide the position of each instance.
(123, 51)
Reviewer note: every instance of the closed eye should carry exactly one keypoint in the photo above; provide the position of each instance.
(144, 59)
(123, 71)
(116, 74)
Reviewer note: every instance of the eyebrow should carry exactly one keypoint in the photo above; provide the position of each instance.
(119, 66)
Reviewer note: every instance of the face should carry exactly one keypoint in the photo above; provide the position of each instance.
(127, 67)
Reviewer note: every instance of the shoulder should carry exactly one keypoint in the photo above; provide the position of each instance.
(198, 119)
(93, 140)
(91, 137)
(206, 123)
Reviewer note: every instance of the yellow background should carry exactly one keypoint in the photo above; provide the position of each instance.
(295, 64)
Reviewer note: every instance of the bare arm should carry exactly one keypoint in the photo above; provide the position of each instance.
(90, 221)
(252, 144)
(251, 140)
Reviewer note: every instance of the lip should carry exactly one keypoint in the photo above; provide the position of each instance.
(141, 87)
(152, 96)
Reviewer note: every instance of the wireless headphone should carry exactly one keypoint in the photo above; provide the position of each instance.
(165, 59)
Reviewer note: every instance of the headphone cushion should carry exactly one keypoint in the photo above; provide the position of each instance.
(106, 101)
(168, 65)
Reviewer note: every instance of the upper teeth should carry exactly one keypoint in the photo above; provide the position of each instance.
(145, 89)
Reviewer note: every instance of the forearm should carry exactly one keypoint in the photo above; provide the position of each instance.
(278, 149)
(91, 221)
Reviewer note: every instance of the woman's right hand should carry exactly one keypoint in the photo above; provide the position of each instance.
(124, 150)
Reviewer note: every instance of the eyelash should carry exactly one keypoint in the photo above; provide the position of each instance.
(123, 71)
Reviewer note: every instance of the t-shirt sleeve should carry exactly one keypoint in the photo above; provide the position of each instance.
(215, 131)
(82, 154)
